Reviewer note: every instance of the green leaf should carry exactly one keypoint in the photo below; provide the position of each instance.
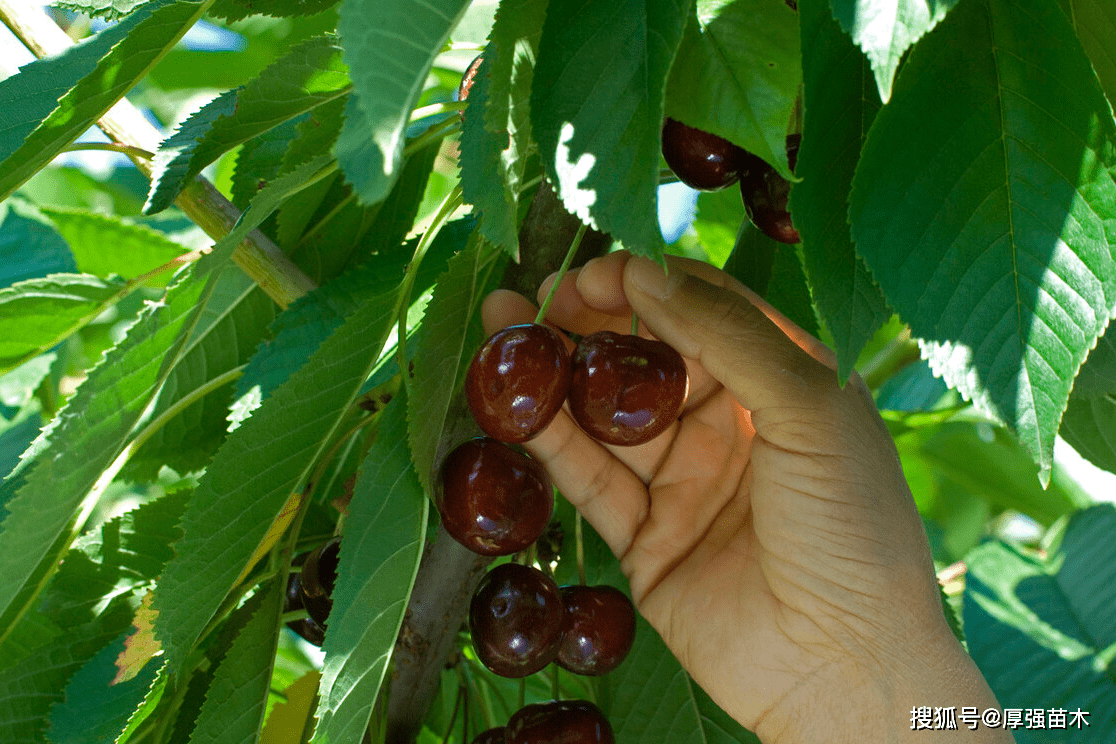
(31, 248)
(36, 314)
(380, 551)
(500, 97)
(260, 159)
(262, 463)
(840, 104)
(104, 245)
(773, 270)
(234, 10)
(885, 29)
(52, 101)
(1056, 615)
(737, 75)
(1089, 426)
(388, 62)
(984, 207)
(109, 9)
(306, 77)
(1095, 23)
(86, 436)
(597, 110)
(235, 703)
(718, 219)
(450, 335)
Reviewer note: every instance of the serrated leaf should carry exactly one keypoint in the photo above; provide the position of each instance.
(104, 245)
(984, 207)
(1056, 614)
(235, 10)
(236, 701)
(717, 220)
(109, 9)
(597, 110)
(1095, 23)
(773, 270)
(36, 314)
(380, 551)
(737, 74)
(502, 144)
(840, 104)
(261, 463)
(140, 645)
(309, 75)
(1089, 426)
(885, 29)
(86, 436)
(388, 62)
(450, 335)
(30, 248)
(52, 101)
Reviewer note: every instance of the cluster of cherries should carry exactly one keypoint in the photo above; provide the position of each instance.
(311, 589)
(706, 162)
(495, 500)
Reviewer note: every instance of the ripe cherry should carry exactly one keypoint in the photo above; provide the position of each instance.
(305, 627)
(491, 736)
(516, 616)
(319, 574)
(625, 389)
(701, 160)
(560, 722)
(600, 629)
(517, 381)
(493, 499)
(765, 195)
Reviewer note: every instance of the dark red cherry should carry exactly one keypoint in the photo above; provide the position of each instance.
(600, 629)
(516, 617)
(319, 574)
(493, 499)
(701, 160)
(517, 381)
(467, 79)
(626, 389)
(305, 626)
(491, 736)
(560, 722)
(765, 195)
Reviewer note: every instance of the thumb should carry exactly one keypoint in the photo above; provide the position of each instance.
(736, 341)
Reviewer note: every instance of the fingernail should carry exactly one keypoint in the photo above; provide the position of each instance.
(651, 278)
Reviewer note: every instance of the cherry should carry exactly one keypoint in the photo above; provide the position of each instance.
(493, 499)
(467, 79)
(625, 389)
(765, 195)
(305, 626)
(600, 629)
(560, 722)
(319, 574)
(517, 381)
(516, 616)
(702, 160)
(491, 736)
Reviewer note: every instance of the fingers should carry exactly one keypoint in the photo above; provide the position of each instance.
(730, 333)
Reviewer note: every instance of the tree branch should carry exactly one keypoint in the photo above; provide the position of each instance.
(257, 256)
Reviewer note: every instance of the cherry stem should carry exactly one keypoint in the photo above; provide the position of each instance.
(635, 324)
(561, 272)
(579, 547)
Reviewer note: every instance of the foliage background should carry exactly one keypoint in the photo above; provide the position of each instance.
(200, 379)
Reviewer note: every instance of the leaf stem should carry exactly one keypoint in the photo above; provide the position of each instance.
(561, 272)
(445, 107)
(445, 211)
(129, 150)
(436, 132)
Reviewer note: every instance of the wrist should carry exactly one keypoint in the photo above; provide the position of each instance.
(875, 699)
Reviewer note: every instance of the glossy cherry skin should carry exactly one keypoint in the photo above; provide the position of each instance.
(319, 574)
(600, 629)
(305, 627)
(516, 617)
(625, 389)
(491, 736)
(701, 160)
(560, 722)
(765, 195)
(518, 381)
(493, 499)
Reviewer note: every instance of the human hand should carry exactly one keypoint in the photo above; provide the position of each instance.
(768, 535)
